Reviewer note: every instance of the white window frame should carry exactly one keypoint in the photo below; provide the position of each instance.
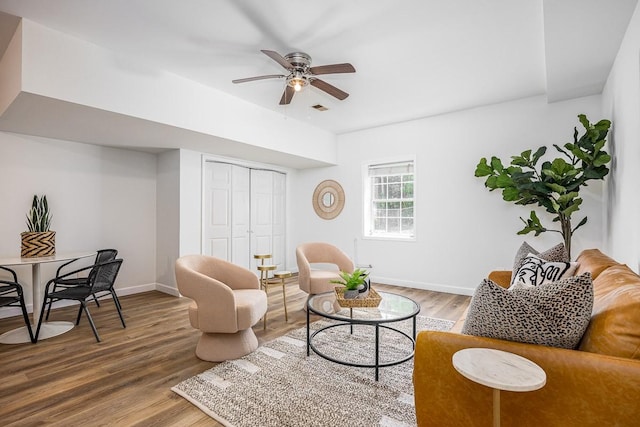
(368, 232)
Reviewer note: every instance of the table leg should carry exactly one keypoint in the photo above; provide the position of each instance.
(377, 349)
(414, 330)
(308, 342)
(351, 316)
(37, 293)
(284, 301)
(496, 407)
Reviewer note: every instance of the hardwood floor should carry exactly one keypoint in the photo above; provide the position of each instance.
(125, 380)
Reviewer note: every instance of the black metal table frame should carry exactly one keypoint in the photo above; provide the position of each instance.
(377, 323)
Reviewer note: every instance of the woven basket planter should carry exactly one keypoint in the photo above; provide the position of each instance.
(38, 244)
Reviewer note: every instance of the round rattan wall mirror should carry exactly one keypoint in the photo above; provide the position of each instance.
(328, 199)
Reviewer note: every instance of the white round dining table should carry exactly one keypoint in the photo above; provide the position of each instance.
(48, 329)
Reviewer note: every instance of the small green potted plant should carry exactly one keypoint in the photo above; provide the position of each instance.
(354, 282)
(39, 240)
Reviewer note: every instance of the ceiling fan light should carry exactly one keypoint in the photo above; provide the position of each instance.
(297, 86)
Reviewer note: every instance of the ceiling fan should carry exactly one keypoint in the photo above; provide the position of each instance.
(302, 74)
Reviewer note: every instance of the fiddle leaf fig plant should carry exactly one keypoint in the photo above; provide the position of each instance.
(351, 281)
(554, 185)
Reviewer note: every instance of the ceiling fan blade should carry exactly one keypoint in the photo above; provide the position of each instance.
(287, 95)
(278, 58)
(330, 89)
(333, 69)
(250, 79)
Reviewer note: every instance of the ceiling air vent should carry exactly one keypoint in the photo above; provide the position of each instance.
(319, 107)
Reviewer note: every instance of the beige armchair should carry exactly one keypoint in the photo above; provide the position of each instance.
(227, 302)
(317, 281)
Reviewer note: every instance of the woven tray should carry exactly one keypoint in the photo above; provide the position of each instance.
(372, 300)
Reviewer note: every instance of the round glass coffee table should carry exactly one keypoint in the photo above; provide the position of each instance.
(392, 308)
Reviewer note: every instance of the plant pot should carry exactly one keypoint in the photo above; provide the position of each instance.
(38, 244)
(351, 294)
(363, 290)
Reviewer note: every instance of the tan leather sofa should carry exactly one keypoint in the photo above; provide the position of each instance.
(597, 384)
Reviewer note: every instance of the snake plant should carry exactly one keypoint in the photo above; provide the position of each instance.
(39, 217)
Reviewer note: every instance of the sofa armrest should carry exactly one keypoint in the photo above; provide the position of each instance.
(584, 389)
(501, 277)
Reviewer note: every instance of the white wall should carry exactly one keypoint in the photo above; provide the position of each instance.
(168, 219)
(100, 197)
(463, 230)
(621, 102)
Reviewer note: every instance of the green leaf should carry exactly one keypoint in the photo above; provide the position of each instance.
(585, 122)
(483, 169)
(491, 182)
(504, 181)
(496, 164)
(564, 199)
(560, 167)
(510, 194)
(602, 159)
(539, 153)
(583, 222)
(532, 225)
(556, 187)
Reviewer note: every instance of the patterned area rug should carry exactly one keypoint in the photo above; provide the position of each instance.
(278, 385)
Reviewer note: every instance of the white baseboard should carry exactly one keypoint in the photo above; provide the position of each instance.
(423, 285)
(167, 290)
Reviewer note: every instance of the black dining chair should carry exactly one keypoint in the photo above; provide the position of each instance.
(100, 280)
(103, 255)
(11, 295)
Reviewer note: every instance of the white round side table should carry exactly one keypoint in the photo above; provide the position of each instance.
(499, 370)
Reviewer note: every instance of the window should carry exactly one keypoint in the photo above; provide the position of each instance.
(389, 200)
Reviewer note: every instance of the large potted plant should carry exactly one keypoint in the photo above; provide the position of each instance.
(555, 185)
(39, 240)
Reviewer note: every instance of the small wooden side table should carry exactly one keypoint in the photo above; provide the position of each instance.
(499, 370)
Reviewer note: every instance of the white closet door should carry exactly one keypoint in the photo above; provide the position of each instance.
(279, 220)
(217, 210)
(240, 217)
(244, 214)
(261, 212)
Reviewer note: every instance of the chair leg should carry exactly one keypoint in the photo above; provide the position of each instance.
(93, 326)
(79, 314)
(95, 298)
(26, 320)
(118, 307)
(49, 309)
(116, 299)
(41, 316)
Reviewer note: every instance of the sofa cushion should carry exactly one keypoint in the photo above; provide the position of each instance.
(535, 271)
(558, 253)
(593, 261)
(554, 314)
(615, 324)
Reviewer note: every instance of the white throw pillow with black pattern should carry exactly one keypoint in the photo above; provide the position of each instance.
(535, 271)
(554, 314)
(558, 253)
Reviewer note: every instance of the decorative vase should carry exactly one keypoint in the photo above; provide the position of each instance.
(363, 290)
(37, 244)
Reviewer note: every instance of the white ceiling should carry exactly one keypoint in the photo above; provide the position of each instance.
(414, 58)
